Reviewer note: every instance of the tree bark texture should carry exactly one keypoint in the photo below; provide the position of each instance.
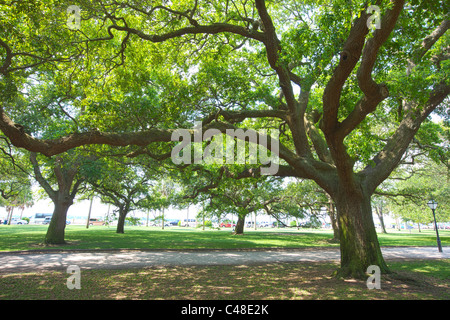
(359, 244)
(62, 198)
(56, 229)
(121, 221)
(239, 229)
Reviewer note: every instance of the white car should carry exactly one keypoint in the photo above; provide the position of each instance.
(16, 221)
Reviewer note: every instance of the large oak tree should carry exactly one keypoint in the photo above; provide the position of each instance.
(348, 98)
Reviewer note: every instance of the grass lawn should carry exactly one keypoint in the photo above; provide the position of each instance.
(288, 281)
(30, 237)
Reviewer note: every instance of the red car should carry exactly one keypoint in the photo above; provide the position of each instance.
(227, 225)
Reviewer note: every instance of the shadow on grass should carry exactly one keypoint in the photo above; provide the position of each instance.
(288, 281)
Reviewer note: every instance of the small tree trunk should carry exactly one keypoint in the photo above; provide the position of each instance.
(398, 224)
(121, 221)
(203, 221)
(379, 212)
(239, 229)
(124, 208)
(333, 218)
(89, 214)
(10, 214)
(57, 227)
(358, 239)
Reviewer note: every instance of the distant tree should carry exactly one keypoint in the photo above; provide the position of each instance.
(407, 198)
(62, 178)
(238, 196)
(379, 204)
(121, 184)
(15, 184)
(423, 173)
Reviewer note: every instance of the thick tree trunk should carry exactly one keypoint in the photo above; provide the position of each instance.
(239, 229)
(358, 239)
(57, 227)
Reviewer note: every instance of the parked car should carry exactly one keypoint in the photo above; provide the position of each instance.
(227, 225)
(96, 222)
(38, 218)
(47, 220)
(188, 223)
(17, 221)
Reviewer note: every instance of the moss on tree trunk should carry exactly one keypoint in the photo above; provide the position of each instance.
(359, 244)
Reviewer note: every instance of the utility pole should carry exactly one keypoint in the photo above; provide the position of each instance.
(89, 214)
(187, 217)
